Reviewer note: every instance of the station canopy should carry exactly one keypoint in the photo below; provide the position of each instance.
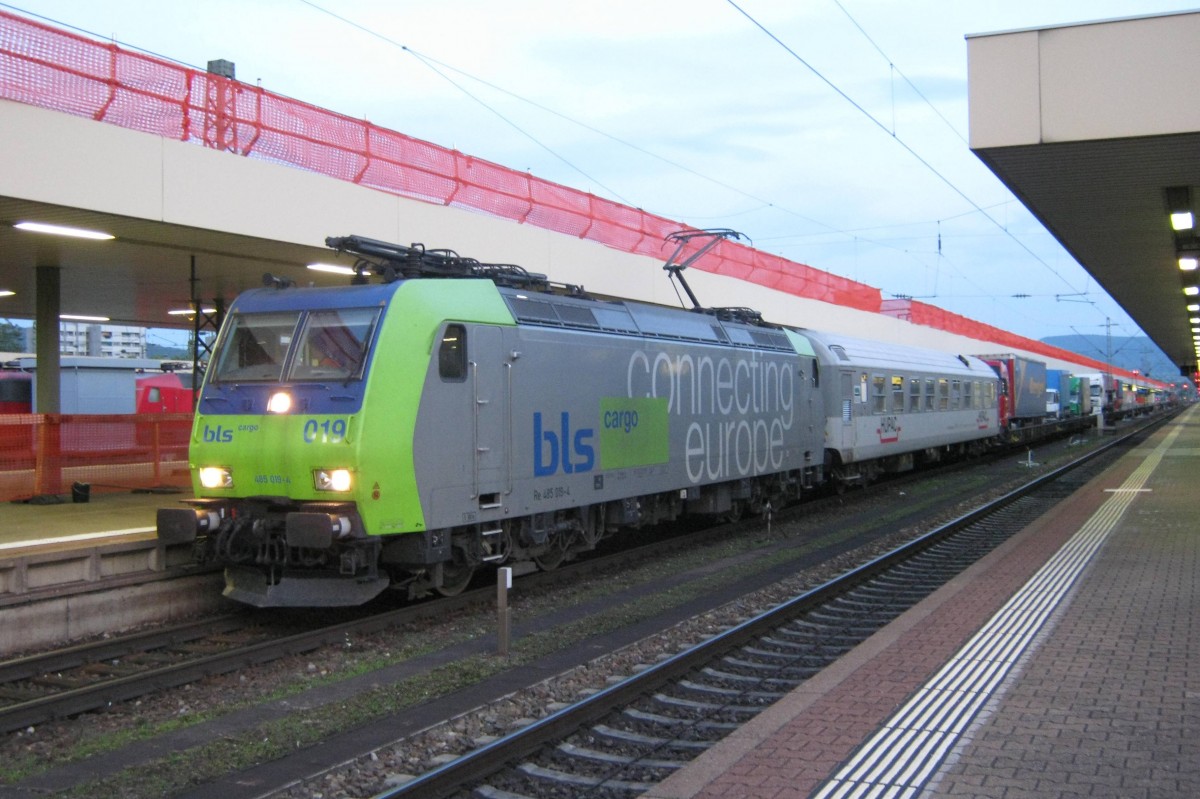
(1095, 129)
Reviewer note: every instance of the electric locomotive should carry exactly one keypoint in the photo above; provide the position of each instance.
(409, 432)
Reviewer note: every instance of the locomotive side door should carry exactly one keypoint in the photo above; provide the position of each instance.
(490, 380)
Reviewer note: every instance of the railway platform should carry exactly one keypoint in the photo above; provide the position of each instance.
(1066, 663)
(105, 515)
(78, 569)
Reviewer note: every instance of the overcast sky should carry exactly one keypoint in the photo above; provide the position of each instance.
(831, 132)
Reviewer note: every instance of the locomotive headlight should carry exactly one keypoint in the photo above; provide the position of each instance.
(280, 402)
(216, 477)
(332, 479)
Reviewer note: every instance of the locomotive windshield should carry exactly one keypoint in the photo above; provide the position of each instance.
(296, 345)
(256, 346)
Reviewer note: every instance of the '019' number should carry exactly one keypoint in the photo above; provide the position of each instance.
(326, 431)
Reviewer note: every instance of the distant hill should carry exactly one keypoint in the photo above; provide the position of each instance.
(1135, 353)
(159, 352)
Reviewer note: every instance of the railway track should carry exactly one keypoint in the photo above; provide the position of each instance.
(624, 740)
(66, 682)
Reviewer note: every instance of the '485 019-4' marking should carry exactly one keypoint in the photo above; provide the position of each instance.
(326, 431)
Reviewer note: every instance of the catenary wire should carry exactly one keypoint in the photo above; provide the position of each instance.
(892, 64)
(894, 137)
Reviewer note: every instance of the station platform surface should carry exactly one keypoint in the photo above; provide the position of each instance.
(105, 515)
(1064, 664)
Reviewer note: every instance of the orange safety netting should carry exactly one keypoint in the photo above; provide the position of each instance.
(47, 454)
(44, 66)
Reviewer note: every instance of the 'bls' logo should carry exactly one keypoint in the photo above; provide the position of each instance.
(220, 434)
(550, 448)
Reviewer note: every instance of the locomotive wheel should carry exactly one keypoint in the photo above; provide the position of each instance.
(455, 578)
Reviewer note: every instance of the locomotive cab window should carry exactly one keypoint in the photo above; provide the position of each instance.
(255, 346)
(333, 344)
(452, 353)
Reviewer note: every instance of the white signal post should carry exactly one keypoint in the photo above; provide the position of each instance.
(503, 583)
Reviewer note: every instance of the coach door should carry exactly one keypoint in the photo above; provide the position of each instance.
(491, 390)
(848, 400)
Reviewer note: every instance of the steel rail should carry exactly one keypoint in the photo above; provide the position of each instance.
(30, 666)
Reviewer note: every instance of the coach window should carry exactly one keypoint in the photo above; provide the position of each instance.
(968, 400)
(914, 394)
(452, 354)
(879, 394)
(955, 395)
(897, 393)
(943, 394)
(930, 394)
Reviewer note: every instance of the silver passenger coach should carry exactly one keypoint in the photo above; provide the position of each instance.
(889, 407)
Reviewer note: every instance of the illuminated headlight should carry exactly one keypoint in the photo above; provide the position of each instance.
(332, 479)
(280, 402)
(216, 477)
